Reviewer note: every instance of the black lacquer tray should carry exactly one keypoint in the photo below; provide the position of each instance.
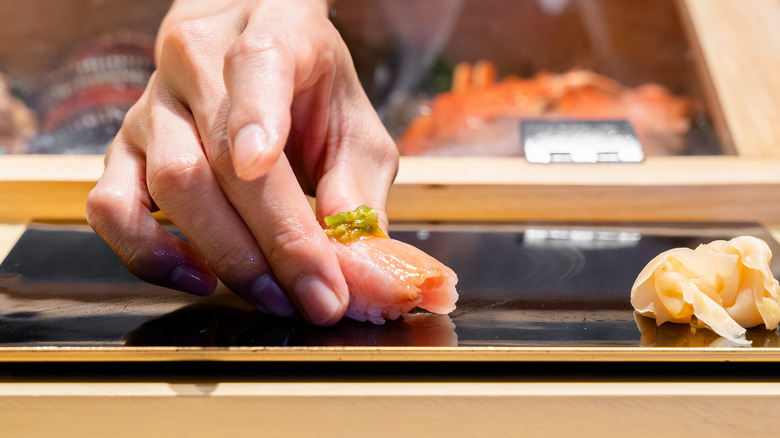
(528, 292)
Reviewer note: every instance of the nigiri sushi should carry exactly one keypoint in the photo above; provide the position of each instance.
(726, 285)
(386, 278)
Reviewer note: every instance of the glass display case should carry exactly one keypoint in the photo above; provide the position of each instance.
(448, 77)
(711, 59)
(455, 77)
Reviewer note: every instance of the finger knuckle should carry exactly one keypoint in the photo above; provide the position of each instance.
(135, 120)
(289, 246)
(387, 155)
(188, 48)
(103, 203)
(236, 261)
(177, 178)
(249, 45)
(105, 207)
(185, 37)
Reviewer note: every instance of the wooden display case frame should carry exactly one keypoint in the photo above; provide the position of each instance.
(739, 54)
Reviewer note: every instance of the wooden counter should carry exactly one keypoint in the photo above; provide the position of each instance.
(384, 409)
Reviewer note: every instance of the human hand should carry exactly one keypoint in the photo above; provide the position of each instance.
(254, 104)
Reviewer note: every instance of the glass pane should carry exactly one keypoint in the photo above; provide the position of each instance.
(70, 70)
(507, 60)
(454, 77)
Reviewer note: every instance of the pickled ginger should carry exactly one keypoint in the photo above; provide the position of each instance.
(725, 285)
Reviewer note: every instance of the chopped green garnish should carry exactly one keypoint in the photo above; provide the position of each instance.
(348, 226)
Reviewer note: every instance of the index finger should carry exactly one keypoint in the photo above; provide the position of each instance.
(291, 239)
(259, 80)
(276, 56)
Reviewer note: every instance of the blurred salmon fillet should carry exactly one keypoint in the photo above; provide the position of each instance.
(479, 116)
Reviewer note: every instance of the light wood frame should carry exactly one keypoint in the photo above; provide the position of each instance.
(720, 188)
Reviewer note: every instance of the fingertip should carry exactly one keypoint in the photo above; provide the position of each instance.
(320, 304)
(189, 279)
(265, 293)
(248, 147)
(165, 260)
(254, 151)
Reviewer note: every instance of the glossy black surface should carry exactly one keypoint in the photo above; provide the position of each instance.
(549, 285)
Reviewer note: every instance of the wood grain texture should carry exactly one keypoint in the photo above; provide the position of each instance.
(460, 189)
(422, 409)
(741, 48)
(46, 187)
(519, 355)
(659, 189)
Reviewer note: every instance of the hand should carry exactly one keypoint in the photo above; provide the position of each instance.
(254, 104)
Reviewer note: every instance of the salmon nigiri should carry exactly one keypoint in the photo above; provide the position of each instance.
(387, 278)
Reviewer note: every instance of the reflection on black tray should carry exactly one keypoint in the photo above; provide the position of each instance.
(520, 285)
(689, 335)
(226, 321)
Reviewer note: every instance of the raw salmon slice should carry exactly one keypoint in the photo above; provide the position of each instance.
(387, 278)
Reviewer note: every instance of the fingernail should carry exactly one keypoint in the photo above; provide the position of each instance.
(319, 302)
(249, 144)
(189, 279)
(267, 292)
